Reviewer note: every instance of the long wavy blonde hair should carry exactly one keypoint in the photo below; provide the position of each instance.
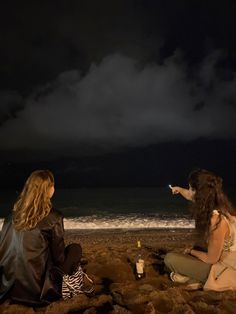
(34, 201)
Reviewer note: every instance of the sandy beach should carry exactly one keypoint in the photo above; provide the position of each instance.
(110, 257)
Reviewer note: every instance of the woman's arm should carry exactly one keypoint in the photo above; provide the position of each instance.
(57, 242)
(186, 193)
(216, 242)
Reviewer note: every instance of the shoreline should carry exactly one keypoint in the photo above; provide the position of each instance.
(131, 231)
(126, 240)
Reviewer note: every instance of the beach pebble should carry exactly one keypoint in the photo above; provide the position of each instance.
(117, 291)
(117, 309)
(91, 310)
(150, 309)
(146, 287)
(100, 300)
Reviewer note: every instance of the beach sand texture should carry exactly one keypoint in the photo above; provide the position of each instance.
(111, 256)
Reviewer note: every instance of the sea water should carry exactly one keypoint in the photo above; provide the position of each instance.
(108, 208)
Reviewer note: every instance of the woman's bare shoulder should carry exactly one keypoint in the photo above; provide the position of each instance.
(232, 218)
(216, 221)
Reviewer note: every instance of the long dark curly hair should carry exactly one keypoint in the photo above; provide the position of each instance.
(208, 196)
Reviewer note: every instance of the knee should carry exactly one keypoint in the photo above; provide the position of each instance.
(169, 259)
(74, 249)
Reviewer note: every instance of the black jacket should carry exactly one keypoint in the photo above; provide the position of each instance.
(27, 259)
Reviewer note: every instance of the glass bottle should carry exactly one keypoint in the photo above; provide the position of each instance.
(139, 262)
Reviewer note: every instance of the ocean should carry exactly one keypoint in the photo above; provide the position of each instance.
(114, 208)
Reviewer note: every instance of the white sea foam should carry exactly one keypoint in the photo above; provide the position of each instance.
(124, 222)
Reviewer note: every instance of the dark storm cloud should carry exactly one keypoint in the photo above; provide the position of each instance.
(10, 104)
(41, 39)
(107, 74)
(120, 104)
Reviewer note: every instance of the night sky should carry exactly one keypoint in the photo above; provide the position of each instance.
(117, 93)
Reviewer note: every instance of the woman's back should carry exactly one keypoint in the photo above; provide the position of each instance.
(27, 257)
(230, 242)
(33, 256)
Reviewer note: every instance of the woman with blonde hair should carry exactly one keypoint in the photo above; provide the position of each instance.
(215, 267)
(32, 246)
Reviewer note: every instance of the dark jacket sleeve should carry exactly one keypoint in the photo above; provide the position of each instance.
(4, 241)
(57, 244)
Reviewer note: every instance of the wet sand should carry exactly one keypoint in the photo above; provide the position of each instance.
(110, 257)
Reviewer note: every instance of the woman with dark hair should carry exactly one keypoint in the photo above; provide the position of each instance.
(215, 219)
(32, 248)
